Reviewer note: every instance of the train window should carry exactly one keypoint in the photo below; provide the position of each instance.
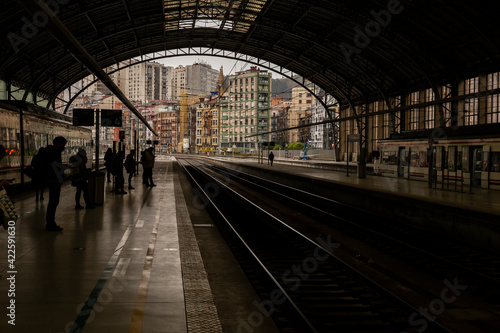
(495, 162)
(419, 159)
(465, 159)
(389, 157)
(452, 159)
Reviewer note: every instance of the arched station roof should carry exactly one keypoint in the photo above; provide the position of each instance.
(355, 50)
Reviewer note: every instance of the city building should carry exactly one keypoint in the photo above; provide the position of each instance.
(248, 110)
(208, 124)
(300, 108)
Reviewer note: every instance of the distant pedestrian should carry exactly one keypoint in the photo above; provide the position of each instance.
(118, 172)
(37, 180)
(80, 177)
(108, 163)
(148, 163)
(271, 158)
(130, 165)
(53, 169)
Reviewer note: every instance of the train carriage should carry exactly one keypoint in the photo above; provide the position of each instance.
(39, 130)
(449, 158)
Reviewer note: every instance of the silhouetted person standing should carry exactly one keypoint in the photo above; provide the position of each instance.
(148, 163)
(130, 164)
(108, 163)
(80, 178)
(118, 172)
(271, 158)
(53, 171)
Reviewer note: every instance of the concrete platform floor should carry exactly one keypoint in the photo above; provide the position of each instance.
(132, 265)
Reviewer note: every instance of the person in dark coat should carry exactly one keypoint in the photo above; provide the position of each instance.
(118, 172)
(130, 164)
(37, 180)
(80, 177)
(108, 163)
(271, 158)
(148, 163)
(53, 169)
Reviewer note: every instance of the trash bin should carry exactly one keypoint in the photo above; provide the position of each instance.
(361, 170)
(96, 188)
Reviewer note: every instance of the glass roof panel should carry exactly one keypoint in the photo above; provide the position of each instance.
(229, 15)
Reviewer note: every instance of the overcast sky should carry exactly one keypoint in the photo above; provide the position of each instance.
(230, 66)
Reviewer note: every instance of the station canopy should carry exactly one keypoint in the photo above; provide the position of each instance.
(355, 50)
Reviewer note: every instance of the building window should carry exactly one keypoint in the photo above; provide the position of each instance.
(429, 110)
(471, 105)
(493, 101)
(414, 113)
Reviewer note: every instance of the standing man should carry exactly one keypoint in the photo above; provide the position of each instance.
(80, 178)
(54, 171)
(130, 165)
(148, 163)
(271, 158)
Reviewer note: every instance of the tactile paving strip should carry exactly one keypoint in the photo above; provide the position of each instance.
(201, 311)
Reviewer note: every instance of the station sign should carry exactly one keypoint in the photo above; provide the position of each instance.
(83, 117)
(111, 118)
(353, 137)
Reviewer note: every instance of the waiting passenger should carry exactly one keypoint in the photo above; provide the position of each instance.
(130, 165)
(118, 172)
(148, 163)
(80, 176)
(53, 169)
(108, 163)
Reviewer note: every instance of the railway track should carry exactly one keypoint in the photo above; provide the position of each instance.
(446, 257)
(301, 281)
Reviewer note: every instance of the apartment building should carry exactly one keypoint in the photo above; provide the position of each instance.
(198, 78)
(322, 136)
(208, 124)
(299, 108)
(246, 111)
(148, 81)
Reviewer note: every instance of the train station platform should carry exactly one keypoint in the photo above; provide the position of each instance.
(471, 214)
(131, 265)
(152, 261)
